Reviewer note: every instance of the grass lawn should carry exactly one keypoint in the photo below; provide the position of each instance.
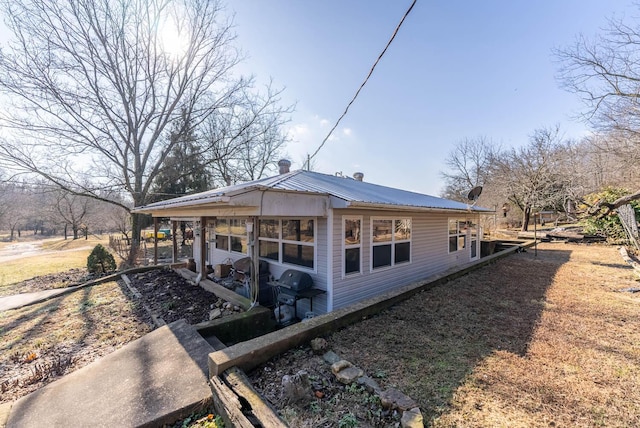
(529, 341)
(41, 342)
(56, 255)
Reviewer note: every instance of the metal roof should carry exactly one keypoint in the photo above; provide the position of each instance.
(354, 192)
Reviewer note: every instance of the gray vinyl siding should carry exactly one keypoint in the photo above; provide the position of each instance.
(429, 255)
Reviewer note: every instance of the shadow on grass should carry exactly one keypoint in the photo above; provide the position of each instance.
(36, 315)
(428, 345)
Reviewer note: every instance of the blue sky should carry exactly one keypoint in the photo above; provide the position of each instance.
(456, 69)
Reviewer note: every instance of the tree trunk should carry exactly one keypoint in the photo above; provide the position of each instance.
(136, 230)
(526, 216)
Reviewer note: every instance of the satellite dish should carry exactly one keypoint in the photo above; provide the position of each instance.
(474, 193)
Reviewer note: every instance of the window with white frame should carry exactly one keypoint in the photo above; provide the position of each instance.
(288, 241)
(390, 241)
(457, 234)
(352, 244)
(231, 235)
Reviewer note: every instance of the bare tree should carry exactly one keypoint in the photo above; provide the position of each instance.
(530, 176)
(467, 167)
(18, 203)
(73, 210)
(605, 73)
(93, 86)
(243, 144)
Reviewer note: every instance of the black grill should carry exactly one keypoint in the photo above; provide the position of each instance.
(295, 280)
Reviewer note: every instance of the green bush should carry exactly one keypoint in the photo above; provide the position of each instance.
(609, 225)
(100, 260)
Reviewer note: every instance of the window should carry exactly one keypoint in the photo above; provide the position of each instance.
(351, 244)
(231, 235)
(457, 235)
(290, 241)
(391, 241)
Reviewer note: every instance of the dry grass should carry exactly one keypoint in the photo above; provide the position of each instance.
(74, 244)
(57, 255)
(583, 362)
(526, 342)
(41, 342)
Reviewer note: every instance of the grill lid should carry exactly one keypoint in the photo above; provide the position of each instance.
(295, 280)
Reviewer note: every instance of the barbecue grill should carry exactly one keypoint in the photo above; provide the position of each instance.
(295, 280)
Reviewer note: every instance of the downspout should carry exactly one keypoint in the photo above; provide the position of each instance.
(203, 249)
(330, 219)
(255, 256)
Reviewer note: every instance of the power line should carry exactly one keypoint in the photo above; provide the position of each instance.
(361, 86)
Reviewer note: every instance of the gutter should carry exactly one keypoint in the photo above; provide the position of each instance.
(358, 204)
(190, 203)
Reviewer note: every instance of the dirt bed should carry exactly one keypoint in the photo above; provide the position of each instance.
(42, 342)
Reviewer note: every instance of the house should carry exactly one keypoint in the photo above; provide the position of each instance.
(355, 239)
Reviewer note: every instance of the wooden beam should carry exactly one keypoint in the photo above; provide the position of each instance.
(240, 385)
(228, 405)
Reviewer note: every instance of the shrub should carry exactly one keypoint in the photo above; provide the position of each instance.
(100, 260)
(609, 225)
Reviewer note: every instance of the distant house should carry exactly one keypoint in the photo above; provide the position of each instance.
(355, 239)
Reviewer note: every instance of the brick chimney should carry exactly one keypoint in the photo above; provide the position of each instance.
(284, 165)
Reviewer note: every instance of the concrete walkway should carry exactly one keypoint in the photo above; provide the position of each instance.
(25, 299)
(157, 379)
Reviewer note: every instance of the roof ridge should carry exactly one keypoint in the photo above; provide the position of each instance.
(284, 177)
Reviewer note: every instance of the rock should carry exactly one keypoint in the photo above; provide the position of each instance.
(296, 388)
(236, 308)
(370, 384)
(349, 375)
(346, 372)
(216, 313)
(318, 345)
(331, 357)
(340, 365)
(412, 419)
(394, 399)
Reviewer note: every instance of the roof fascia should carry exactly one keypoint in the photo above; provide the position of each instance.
(391, 207)
(149, 210)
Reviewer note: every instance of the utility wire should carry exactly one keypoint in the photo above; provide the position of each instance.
(361, 86)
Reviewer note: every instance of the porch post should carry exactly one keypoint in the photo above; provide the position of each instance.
(174, 230)
(255, 257)
(155, 240)
(203, 246)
